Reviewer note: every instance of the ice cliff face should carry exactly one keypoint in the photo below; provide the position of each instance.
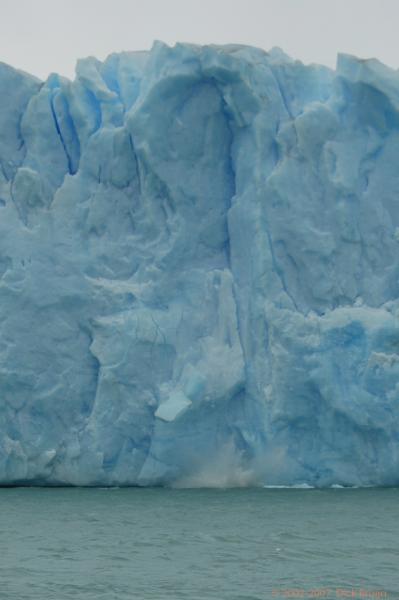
(199, 271)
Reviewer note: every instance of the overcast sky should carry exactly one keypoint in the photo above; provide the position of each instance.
(41, 36)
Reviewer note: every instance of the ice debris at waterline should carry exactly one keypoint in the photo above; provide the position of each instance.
(199, 263)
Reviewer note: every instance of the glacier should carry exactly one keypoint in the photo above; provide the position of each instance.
(199, 271)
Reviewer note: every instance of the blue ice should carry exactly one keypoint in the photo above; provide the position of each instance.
(199, 271)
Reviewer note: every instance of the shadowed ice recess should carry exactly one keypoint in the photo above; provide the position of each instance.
(199, 271)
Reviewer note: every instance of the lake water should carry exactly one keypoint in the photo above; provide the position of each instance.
(244, 544)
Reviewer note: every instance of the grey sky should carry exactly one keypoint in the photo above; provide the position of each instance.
(41, 36)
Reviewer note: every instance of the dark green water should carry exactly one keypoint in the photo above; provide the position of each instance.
(198, 544)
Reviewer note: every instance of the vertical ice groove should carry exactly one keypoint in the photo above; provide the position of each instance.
(70, 169)
(228, 250)
(277, 269)
(282, 93)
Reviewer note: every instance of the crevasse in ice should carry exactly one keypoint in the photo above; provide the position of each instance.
(199, 271)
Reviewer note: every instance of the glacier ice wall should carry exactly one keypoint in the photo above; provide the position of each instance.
(199, 273)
